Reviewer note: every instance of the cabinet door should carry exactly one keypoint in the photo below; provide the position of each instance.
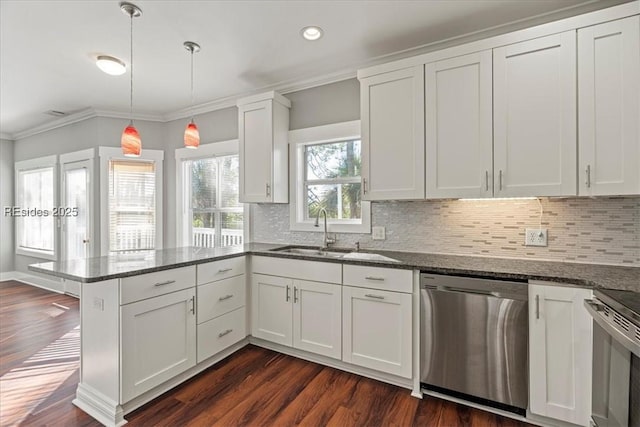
(376, 330)
(271, 309)
(255, 129)
(609, 112)
(158, 341)
(317, 318)
(392, 106)
(459, 127)
(535, 149)
(560, 336)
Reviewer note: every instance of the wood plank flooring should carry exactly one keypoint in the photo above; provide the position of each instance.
(39, 362)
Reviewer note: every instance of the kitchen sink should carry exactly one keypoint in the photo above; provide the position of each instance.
(364, 256)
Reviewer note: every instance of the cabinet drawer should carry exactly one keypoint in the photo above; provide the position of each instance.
(298, 269)
(386, 279)
(219, 333)
(218, 298)
(218, 270)
(149, 285)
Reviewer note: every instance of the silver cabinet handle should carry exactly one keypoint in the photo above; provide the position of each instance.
(537, 306)
(588, 172)
(486, 180)
(227, 332)
(288, 297)
(379, 279)
(374, 296)
(168, 282)
(268, 189)
(224, 298)
(224, 270)
(500, 180)
(364, 185)
(295, 294)
(193, 305)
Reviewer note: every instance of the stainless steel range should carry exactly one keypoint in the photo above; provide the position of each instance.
(616, 358)
(474, 340)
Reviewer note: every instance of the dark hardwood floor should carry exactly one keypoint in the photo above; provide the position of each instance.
(39, 362)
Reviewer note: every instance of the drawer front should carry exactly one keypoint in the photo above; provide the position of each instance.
(218, 270)
(136, 288)
(314, 271)
(219, 333)
(386, 279)
(223, 296)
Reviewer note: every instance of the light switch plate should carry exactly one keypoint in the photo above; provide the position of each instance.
(378, 233)
(535, 237)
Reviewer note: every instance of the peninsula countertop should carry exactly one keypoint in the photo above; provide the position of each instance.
(131, 264)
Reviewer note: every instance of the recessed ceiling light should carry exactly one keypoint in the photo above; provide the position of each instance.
(311, 33)
(111, 65)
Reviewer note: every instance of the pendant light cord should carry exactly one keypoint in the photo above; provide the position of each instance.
(192, 49)
(131, 77)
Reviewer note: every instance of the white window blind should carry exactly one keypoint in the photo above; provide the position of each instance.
(132, 205)
(36, 191)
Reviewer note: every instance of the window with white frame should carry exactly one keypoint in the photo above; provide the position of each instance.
(325, 165)
(209, 211)
(35, 203)
(131, 218)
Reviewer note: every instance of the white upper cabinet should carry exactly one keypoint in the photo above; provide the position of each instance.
(392, 109)
(609, 113)
(534, 105)
(459, 135)
(263, 127)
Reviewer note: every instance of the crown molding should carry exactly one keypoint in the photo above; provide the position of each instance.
(112, 114)
(6, 136)
(282, 88)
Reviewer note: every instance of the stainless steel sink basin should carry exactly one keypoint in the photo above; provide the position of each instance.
(335, 254)
(310, 252)
(368, 257)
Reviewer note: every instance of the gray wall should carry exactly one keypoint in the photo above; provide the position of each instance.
(6, 199)
(323, 105)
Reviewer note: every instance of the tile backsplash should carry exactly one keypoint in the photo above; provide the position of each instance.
(603, 230)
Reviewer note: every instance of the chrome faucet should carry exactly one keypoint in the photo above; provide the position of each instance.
(326, 240)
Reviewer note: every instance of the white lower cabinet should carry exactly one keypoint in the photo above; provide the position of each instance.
(377, 330)
(297, 313)
(158, 341)
(560, 340)
(217, 334)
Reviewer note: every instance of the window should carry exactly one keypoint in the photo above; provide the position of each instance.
(132, 201)
(325, 165)
(36, 199)
(210, 214)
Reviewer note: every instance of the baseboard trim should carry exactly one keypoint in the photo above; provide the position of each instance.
(37, 281)
(103, 409)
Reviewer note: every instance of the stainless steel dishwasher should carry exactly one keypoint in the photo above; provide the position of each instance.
(473, 342)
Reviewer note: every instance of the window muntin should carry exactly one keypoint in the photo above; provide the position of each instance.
(36, 191)
(132, 205)
(332, 180)
(215, 215)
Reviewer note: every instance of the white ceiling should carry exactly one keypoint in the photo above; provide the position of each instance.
(48, 48)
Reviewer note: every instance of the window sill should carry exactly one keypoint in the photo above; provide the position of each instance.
(33, 253)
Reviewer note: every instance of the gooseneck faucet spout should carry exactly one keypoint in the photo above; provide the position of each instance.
(326, 241)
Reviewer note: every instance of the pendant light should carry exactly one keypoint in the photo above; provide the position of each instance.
(130, 142)
(191, 134)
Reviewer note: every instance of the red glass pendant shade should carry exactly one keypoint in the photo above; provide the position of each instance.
(131, 143)
(191, 136)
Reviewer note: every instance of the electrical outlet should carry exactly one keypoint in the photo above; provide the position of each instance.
(98, 303)
(378, 233)
(535, 237)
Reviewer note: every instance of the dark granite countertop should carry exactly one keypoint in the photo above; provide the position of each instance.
(586, 275)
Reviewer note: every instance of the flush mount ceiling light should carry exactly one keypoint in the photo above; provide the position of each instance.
(131, 142)
(312, 33)
(191, 134)
(110, 65)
